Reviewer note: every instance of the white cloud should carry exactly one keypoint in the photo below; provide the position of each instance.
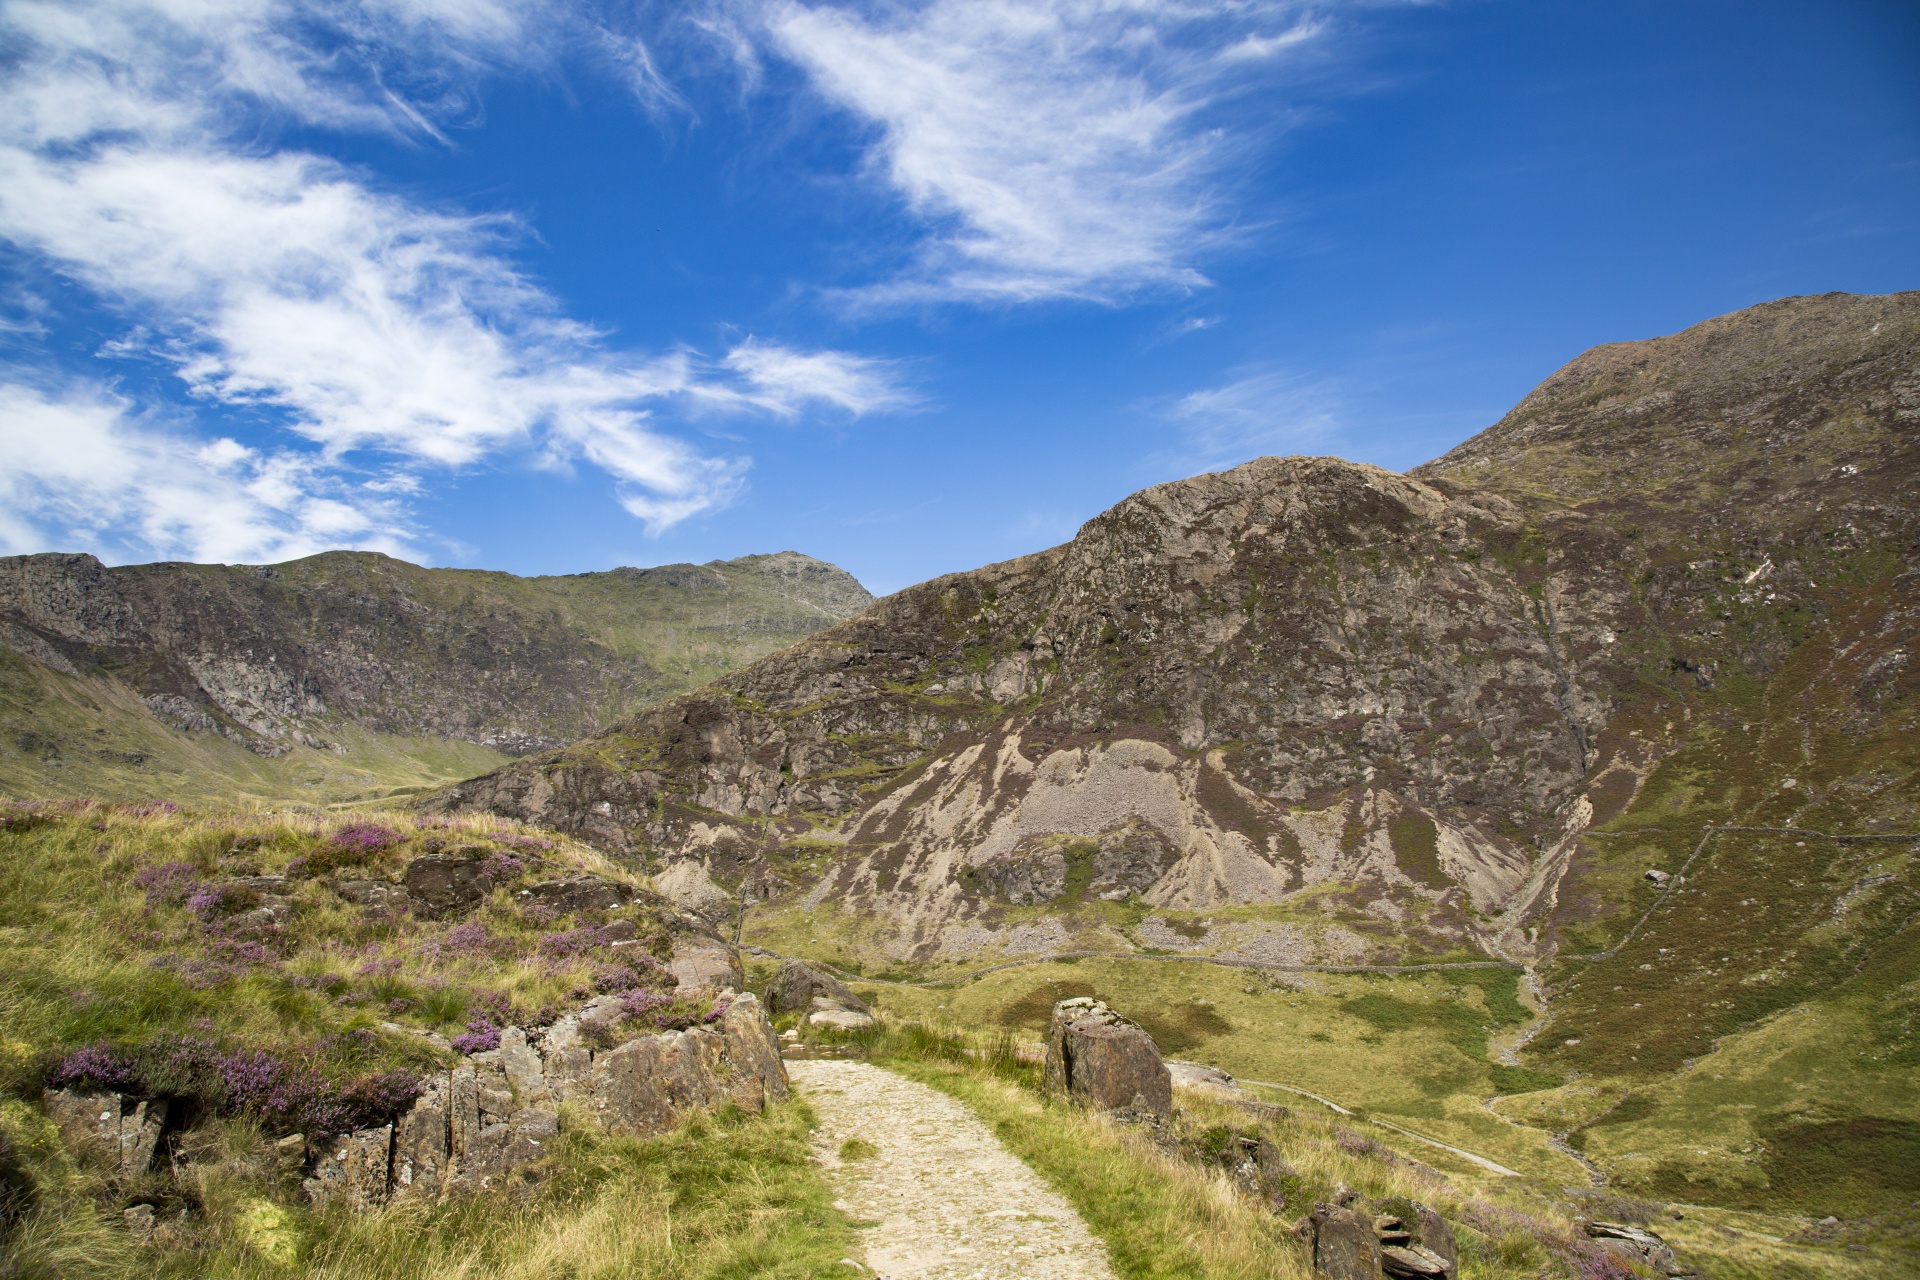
(784, 380)
(79, 468)
(368, 324)
(1060, 147)
(1262, 412)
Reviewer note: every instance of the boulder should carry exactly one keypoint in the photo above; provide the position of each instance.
(351, 1169)
(646, 1086)
(440, 885)
(576, 893)
(1211, 1081)
(1422, 1236)
(1101, 1060)
(1344, 1244)
(840, 1019)
(706, 962)
(114, 1132)
(797, 984)
(1636, 1245)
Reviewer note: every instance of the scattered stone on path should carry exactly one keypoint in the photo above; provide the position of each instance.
(1099, 1059)
(944, 1199)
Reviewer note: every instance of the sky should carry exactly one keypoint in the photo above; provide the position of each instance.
(552, 286)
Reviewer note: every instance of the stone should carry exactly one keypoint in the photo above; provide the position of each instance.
(1203, 1079)
(139, 1220)
(422, 1140)
(703, 962)
(107, 1129)
(798, 984)
(840, 1019)
(377, 894)
(647, 1085)
(440, 885)
(1434, 1235)
(290, 1155)
(1659, 879)
(351, 1169)
(1344, 1246)
(1410, 1260)
(1635, 1244)
(576, 893)
(1100, 1060)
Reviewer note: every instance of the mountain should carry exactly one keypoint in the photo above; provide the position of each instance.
(350, 673)
(1403, 696)
(1308, 711)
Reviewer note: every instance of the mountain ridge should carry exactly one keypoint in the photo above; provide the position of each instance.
(309, 657)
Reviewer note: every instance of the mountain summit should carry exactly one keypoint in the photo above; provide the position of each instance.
(1368, 715)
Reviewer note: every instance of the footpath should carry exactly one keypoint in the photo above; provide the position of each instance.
(938, 1196)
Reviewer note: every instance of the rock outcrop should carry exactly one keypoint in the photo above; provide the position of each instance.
(798, 984)
(116, 1133)
(1637, 1245)
(497, 1111)
(1098, 1059)
(1409, 1242)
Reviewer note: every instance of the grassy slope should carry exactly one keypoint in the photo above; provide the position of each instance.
(78, 950)
(1753, 1044)
(74, 736)
(91, 736)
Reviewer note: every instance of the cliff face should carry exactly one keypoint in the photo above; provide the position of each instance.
(1347, 714)
(307, 655)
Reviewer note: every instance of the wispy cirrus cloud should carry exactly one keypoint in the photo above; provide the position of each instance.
(1055, 148)
(1262, 411)
(382, 335)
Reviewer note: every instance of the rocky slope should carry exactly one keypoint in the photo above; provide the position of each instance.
(1312, 710)
(145, 674)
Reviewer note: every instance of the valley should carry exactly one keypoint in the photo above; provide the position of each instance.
(1555, 803)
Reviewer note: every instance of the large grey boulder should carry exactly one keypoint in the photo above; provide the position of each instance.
(706, 962)
(576, 893)
(795, 987)
(1101, 1060)
(1344, 1244)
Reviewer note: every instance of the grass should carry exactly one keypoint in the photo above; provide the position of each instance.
(95, 948)
(725, 1197)
(1165, 1207)
(1409, 1047)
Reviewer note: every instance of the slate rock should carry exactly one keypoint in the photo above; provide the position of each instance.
(1411, 1261)
(796, 985)
(116, 1133)
(1101, 1060)
(647, 1085)
(1344, 1246)
(351, 1169)
(576, 893)
(422, 1149)
(440, 885)
(1635, 1244)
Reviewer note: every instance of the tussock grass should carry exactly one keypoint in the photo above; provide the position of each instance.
(724, 1196)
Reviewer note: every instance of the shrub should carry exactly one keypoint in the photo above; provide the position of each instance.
(573, 942)
(168, 884)
(95, 1066)
(480, 1036)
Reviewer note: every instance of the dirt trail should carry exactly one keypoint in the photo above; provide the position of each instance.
(947, 1200)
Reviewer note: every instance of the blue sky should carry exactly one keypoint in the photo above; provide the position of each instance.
(551, 287)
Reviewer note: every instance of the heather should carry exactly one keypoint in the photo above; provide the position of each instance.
(134, 932)
(157, 952)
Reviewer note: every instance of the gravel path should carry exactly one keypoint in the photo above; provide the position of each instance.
(946, 1201)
